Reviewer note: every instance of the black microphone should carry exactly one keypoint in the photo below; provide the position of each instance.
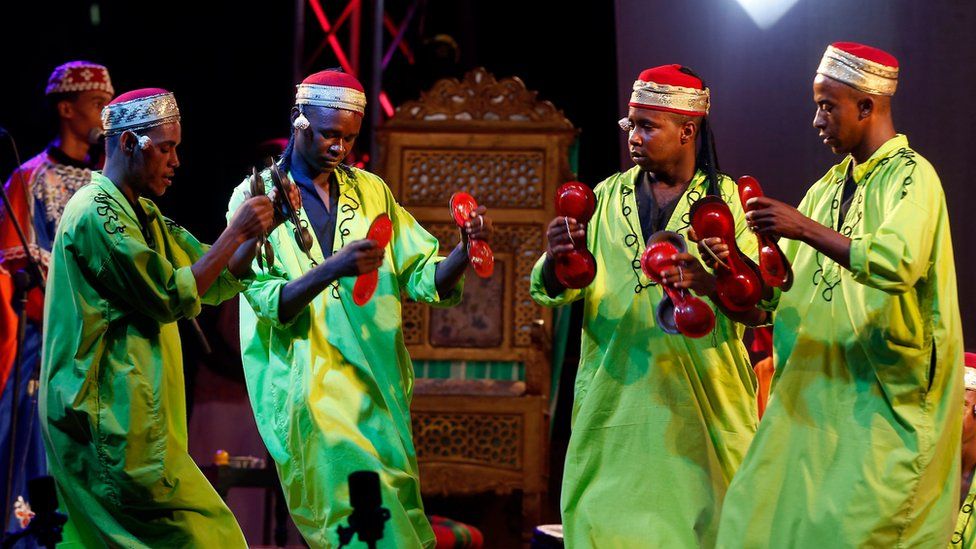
(96, 136)
(47, 523)
(368, 514)
(96, 139)
(43, 495)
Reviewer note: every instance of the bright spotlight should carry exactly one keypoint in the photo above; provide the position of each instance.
(765, 13)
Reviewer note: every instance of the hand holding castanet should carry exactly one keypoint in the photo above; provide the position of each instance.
(463, 206)
(380, 231)
(262, 248)
(679, 311)
(575, 268)
(738, 285)
(773, 265)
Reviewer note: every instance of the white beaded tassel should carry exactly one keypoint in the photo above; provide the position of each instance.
(301, 122)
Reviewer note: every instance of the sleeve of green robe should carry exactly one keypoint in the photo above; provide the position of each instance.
(537, 285)
(263, 286)
(415, 258)
(263, 293)
(896, 255)
(537, 289)
(133, 272)
(226, 286)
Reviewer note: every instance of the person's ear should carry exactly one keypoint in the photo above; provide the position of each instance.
(688, 130)
(66, 109)
(865, 107)
(128, 142)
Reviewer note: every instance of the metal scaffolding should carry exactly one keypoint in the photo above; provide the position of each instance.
(352, 33)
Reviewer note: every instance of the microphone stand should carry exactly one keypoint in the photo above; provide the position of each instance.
(25, 279)
(368, 514)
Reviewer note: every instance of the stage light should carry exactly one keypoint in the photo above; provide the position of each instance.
(765, 13)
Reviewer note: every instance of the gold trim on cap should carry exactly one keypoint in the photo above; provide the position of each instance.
(335, 97)
(670, 97)
(970, 379)
(859, 73)
(141, 113)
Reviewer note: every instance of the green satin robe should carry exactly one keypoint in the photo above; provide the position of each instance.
(860, 443)
(112, 402)
(331, 388)
(660, 422)
(964, 536)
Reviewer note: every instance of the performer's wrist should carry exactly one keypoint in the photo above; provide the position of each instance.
(327, 271)
(809, 230)
(462, 249)
(712, 295)
(239, 236)
(549, 279)
(708, 286)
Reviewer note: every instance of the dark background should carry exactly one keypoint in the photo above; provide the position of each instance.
(231, 66)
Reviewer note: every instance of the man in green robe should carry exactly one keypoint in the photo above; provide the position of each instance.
(964, 536)
(330, 381)
(112, 403)
(859, 445)
(660, 421)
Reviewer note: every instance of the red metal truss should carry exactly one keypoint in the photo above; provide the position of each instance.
(348, 57)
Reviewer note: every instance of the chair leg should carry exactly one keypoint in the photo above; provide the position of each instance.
(531, 513)
(281, 517)
(266, 520)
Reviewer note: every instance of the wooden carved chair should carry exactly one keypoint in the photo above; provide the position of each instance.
(496, 140)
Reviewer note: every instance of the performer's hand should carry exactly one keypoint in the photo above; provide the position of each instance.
(561, 234)
(777, 219)
(717, 247)
(690, 275)
(479, 227)
(294, 197)
(356, 258)
(254, 218)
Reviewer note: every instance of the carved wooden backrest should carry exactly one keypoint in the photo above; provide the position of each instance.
(494, 139)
